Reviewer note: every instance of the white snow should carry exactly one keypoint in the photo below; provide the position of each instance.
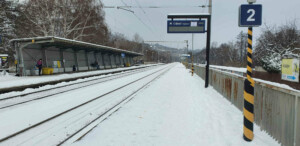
(175, 110)
(4, 76)
(238, 71)
(283, 86)
(235, 69)
(22, 116)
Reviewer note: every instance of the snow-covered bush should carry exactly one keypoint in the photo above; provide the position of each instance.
(272, 63)
(274, 43)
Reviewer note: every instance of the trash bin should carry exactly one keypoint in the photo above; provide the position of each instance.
(47, 71)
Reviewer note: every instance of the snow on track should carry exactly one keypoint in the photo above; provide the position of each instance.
(175, 110)
(9, 81)
(50, 90)
(23, 116)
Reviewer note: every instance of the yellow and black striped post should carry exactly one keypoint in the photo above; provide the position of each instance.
(192, 66)
(249, 93)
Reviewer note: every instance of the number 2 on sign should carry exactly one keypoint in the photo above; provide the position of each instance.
(250, 18)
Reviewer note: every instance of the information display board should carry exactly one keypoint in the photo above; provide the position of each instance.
(290, 70)
(186, 26)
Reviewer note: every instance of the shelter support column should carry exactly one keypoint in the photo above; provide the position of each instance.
(96, 58)
(103, 60)
(62, 59)
(116, 62)
(22, 71)
(110, 61)
(44, 55)
(76, 60)
(87, 60)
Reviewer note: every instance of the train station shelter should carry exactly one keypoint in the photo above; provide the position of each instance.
(65, 55)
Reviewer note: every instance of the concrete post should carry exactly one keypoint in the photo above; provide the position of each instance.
(296, 118)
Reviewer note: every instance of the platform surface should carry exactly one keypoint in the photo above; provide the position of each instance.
(174, 110)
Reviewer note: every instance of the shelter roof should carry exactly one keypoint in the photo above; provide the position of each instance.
(68, 43)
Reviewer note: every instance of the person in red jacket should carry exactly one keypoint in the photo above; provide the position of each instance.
(39, 64)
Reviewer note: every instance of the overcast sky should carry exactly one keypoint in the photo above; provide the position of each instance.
(151, 24)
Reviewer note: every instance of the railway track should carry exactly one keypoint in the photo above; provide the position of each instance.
(54, 82)
(73, 123)
(44, 93)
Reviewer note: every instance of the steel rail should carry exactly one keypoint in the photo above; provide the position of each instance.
(116, 76)
(110, 109)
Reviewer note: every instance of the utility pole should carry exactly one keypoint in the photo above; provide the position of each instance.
(187, 49)
(187, 46)
(210, 7)
(192, 54)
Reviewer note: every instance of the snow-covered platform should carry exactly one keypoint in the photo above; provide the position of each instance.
(176, 109)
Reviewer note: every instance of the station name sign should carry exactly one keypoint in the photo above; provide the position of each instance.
(186, 26)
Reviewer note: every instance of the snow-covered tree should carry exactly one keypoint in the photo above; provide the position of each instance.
(274, 43)
(7, 25)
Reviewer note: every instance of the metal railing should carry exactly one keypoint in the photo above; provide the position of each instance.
(276, 109)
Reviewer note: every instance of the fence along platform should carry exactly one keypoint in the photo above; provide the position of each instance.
(276, 110)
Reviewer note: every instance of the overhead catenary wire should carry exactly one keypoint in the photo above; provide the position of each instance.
(146, 16)
(133, 7)
(147, 26)
(156, 7)
(140, 6)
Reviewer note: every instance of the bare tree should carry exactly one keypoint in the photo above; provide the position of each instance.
(241, 43)
(137, 38)
(73, 19)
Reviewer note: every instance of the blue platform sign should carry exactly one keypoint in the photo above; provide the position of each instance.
(186, 26)
(250, 15)
(123, 55)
